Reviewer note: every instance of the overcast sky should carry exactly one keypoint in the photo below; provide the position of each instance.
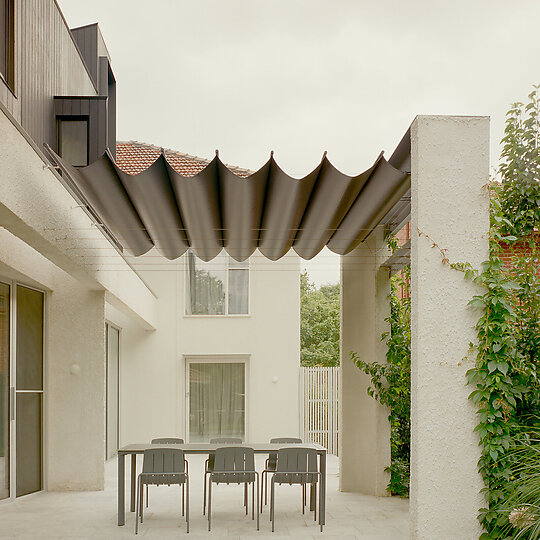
(302, 77)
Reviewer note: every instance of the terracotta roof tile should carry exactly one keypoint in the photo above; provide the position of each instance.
(134, 157)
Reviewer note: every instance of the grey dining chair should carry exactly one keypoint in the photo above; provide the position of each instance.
(170, 440)
(270, 467)
(209, 465)
(294, 466)
(234, 465)
(162, 466)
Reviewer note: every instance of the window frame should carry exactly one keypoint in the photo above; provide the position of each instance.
(183, 381)
(72, 118)
(8, 78)
(227, 270)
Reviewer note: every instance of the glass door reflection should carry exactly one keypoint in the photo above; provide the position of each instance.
(5, 412)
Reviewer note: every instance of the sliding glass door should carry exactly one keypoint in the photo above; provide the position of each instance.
(29, 390)
(216, 400)
(21, 389)
(5, 413)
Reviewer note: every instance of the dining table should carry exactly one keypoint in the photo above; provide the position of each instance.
(206, 448)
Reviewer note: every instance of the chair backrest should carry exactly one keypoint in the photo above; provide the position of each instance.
(296, 466)
(286, 440)
(163, 460)
(225, 440)
(237, 462)
(272, 457)
(168, 440)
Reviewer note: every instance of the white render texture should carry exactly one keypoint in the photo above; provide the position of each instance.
(364, 426)
(36, 207)
(153, 364)
(74, 399)
(450, 167)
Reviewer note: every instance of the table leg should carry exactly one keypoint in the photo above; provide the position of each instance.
(322, 490)
(133, 480)
(121, 484)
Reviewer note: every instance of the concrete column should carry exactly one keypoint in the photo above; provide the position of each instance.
(450, 166)
(364, 426)
(74, 388)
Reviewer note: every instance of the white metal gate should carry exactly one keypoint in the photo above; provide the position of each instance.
(320, 389)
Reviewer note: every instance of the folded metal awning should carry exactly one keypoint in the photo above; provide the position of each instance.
(217, 209)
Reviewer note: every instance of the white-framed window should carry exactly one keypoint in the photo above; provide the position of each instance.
(216, 396)
(218, 287)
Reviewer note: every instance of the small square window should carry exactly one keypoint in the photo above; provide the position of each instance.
(218, 287)
(73, 140)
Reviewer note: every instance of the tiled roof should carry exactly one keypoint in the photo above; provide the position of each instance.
(134, 157)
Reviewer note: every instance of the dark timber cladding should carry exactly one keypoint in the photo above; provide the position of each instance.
(268, 210)
(93, 108)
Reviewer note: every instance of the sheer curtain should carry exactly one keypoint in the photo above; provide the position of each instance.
(216, 400)
(206, 286)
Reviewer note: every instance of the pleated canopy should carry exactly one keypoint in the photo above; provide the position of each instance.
(217, 209)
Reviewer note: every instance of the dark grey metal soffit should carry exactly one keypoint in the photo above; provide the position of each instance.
(268, 210)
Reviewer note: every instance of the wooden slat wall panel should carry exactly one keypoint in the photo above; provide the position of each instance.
(47, 63)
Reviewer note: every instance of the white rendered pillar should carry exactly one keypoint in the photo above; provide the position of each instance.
(75, 388)
(450, 167)
(364, 426)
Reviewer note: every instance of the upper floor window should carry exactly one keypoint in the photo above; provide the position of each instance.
(218, 287)
(73, 140)
(7, 42)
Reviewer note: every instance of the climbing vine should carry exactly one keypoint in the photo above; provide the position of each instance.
(507, 352)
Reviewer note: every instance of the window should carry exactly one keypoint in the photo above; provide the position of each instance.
(218, 287)
(73, 140)
(216, 399)
(7, 42)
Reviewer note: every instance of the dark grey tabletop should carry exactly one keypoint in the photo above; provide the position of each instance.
(204, 448)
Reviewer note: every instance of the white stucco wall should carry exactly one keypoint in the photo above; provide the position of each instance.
(450, 167)
(73, 413)
(152, 375)
(364, 427)
(48, 242)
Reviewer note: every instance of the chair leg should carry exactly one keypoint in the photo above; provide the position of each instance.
(303, 498)
(187, 503)
(246, 497)
(146, 495)
(315, 503)
(253, 500)
(257, 478)
(204, 494)
(209, 501)
(137, 506)
(266, 489)
(272, 502)
(262, 484)
(141, 501)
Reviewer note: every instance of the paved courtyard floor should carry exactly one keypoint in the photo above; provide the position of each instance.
(85, 515)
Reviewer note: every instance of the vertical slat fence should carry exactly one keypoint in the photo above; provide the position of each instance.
(320, 388)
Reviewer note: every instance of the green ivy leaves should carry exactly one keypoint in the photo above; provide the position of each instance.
(508, 349)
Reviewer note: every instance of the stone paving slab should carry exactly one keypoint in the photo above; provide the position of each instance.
(92, 515)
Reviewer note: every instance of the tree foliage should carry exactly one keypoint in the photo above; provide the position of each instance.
(319, 323)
